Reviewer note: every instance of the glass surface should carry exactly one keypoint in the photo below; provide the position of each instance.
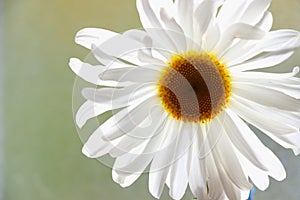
(42, 151)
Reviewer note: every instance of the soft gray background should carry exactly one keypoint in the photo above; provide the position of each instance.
(43, 159)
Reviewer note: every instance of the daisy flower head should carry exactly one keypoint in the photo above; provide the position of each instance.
(182, 92)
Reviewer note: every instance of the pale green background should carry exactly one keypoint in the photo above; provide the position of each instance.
(42, 151)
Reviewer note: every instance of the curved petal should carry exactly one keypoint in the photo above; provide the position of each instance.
(135, 75)
(264, 61)
(230, 13)
(91, 109)
(238, 30)
(150, 129)
(270, 161)
(262, 122)
(163, 160)
(185, 11)
(225, 157)
(255, 11)
(241, 141)
(180, 168)
(204, 14)
(117, 96)
(274, 41)
(261, 95)
(127, 119)
(86, 71)
(197, 175)
(93, 36)
(174, 31)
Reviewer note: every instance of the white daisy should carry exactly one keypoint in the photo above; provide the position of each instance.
(186, 87)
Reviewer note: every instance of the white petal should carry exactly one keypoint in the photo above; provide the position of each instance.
(136, 75)
(174, 31)
(230, 13)
(127, 119)
(135, 34)
(240, 141)
(150, 19)
(185, 11)
(237, 50)
(136, 164)
(146, 56)
(150, 129)
(149, 12)
(95, 147)
(264, 61)
(123, 47)
(211, 37)
(90, 73)
(225, 156)
(255, 77)
(255, 11)
(259, 120)
(238, 30)
(91, 109)
(162, 160)
(117, 96)
(266, 22)
(274, 41)
(258, 177)
(179, 170)
(130, 166)
(203, 18)
(292, 141)
(231, 191)
(104, 58)
(88, 36)
(283, 39)
(261, 95)
(270, 161)
(281, 82)
(86, 71)
(216, 190)
(197, 175)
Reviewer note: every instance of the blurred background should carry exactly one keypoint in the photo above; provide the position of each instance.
(40, 156)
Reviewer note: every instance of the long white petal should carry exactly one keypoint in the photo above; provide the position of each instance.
(150, 129)
(86, 71)
(255, 11)
(93, 36)
(179, 170)
(258, 177)
(266, 22)
(238, 30)
(136, 75)
(259, 120)
(203, 18)
(274, 41)
(261, 95)
(127, 119)
(224, 154)
(230, 13)
(215, 187)
(270, 161)
(197, 175)
(123, 96)
(91, 109)
(264, 61)
(185, 11)
(163, 159)
(174, 31)
(238, 139)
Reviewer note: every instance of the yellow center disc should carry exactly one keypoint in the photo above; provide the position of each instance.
(195, 87)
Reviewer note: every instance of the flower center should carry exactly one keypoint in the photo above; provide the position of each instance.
(195, 87)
